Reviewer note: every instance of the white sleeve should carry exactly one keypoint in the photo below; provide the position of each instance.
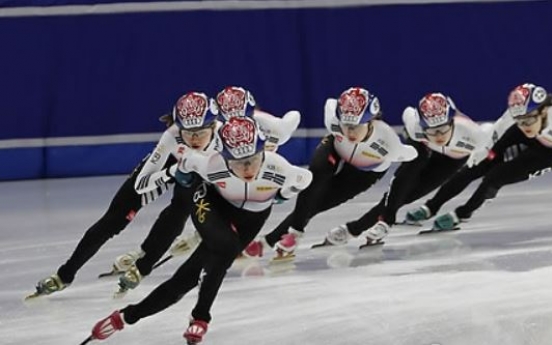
(277, 130)
(194, 161)
(411, 121)
(297, 180)
(399, 151)
(329, 113)
(402, 152)
(152, 174)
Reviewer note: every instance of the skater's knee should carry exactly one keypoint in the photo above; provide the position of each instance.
(491, 187)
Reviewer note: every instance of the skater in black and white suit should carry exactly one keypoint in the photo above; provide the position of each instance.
(229, 209)
(127, 201)
(354, 156)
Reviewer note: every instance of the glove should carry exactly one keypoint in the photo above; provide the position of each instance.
(184, 179)
(479, 155)
(170, 172)
(278, 199)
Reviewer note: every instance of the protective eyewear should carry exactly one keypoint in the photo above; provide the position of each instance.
(526, 121)
(351, 128)
(442, 130)
(196, 133)
(245, 162)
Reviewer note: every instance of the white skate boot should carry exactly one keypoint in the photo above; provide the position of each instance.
(128, 281)
(123, 263)
(184, 244)
(376, 234)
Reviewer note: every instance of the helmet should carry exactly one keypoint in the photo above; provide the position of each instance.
(435, 109)
(235, 101)
(526, 98)
(194, 110)
(240, 138)
(356, 106)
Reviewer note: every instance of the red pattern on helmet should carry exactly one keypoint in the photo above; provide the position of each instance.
(192, 106)
(519, 96)
(353, 102)
(434, 105)
(232, 100)
(238, 132)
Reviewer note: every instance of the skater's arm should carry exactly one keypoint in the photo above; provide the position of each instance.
(297, 180)
(277, 131)
(152, 174)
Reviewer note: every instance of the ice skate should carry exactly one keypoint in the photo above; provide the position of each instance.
(376, 234)
(128, 281)
(122, 263)
(443, 223)
(180, 247)
(418, 216)
(336, 237)
(285, 248)
(185, 244)
(105, 328)
(255, 248)
(47, 286)
(195, 332)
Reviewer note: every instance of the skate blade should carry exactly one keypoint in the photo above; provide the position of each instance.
(111, 273)
(405, 223)
(282, 259)
(435, 231)
(87, 340)
(371, 244)
(162, 261)
(326, 243)
(32, 296)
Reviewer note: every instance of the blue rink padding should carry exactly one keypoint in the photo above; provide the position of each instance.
(111, 159)
(90, 160)
(22, 163)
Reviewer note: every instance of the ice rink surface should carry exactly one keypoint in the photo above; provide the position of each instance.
(487, 284)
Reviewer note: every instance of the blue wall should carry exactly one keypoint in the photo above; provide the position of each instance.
(108, 74)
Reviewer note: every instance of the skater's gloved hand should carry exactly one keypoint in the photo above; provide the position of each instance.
(171, 171)
(279, 199)
(477, 156)
(184, 179)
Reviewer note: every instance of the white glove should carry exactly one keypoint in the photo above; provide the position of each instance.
(278, 130)
(477, 156)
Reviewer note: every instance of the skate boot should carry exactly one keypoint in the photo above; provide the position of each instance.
(255, 248)
(285, 247)
(123, 263)
(339, 236)
(417, 216)
(128, 281)
(195, 331)
(103, 329)
(336, 237)
(48, 286)
(185, 244)
(448, 221)
(376, 234)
